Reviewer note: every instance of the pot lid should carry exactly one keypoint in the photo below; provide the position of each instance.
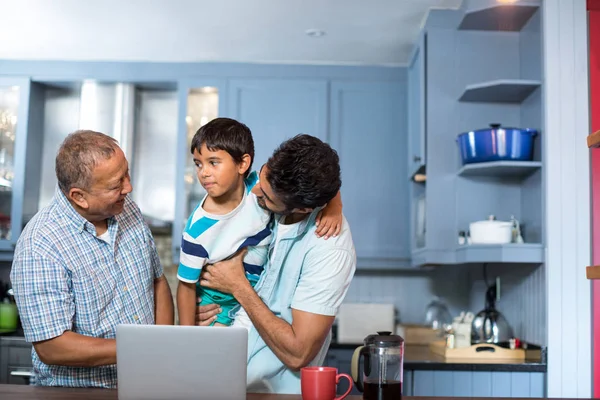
(499, 126)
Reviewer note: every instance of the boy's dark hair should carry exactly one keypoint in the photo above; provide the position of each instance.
(304, 172)
(228, 135)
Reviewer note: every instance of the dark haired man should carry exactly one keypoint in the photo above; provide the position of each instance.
(305, 280)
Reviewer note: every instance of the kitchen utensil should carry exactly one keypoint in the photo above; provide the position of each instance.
(437, 315)
(357, 320)
(491, 231)
(496, 143)
(489, 325)
(380, 374)
(320, 383)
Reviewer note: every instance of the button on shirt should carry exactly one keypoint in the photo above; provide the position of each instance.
(65, 277)
(305, 273)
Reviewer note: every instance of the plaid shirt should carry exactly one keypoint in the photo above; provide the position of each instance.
(66, 278)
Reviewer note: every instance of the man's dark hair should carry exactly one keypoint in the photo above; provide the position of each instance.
(228, 135)
(304, 172)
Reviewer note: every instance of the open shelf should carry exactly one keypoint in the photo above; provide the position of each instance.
(500, 91)
(526, 253)
(509, 17)
(508, 169)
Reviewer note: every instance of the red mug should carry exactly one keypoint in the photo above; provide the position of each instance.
(320, 383)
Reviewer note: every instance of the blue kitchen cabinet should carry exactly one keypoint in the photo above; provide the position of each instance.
(278, 109)
(479, 384)
(199, 101)
(417, 130)
(19, 125)
(369, 130)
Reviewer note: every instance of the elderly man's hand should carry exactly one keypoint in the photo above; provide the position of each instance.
(225, 276)
(205, 315)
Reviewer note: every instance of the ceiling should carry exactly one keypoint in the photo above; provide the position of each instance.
(376, 32)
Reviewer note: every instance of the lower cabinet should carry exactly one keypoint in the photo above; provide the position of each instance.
(447, 383)
(479, 384)
(15, 361)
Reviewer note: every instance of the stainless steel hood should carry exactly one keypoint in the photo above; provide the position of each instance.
(109, 108)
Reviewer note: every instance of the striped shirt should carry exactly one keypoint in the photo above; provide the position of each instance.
(65, 278)
(210, 238)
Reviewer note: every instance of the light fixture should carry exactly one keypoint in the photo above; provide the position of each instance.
(315, 32)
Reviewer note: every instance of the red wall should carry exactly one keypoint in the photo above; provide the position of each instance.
(594, 70)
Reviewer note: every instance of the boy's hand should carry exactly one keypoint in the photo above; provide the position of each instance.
(329, 222)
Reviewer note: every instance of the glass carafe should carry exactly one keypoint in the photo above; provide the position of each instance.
(377, 367)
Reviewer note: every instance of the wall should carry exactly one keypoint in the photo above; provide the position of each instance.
(567, 197)
(522, 297)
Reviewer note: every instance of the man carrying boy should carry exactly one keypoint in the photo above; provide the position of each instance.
(306, 278)
(228, 218)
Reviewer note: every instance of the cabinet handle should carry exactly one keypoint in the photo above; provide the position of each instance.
(27, 374)
(416, 159)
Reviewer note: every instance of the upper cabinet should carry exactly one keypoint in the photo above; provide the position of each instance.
(417, 103)
(278, 109)
(369, 129)
(14, 115)
(483, 68)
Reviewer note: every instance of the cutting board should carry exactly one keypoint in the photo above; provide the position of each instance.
(356, 321)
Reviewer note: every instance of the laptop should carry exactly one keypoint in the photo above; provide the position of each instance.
(181, 362)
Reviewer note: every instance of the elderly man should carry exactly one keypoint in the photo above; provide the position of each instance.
(84, 264)
(306, 278)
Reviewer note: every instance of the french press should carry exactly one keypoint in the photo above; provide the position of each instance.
(379, 376)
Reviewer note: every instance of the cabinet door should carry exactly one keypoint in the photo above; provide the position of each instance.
(14, 113)
(368, 129)
(278, 109)
(199, 101)
(417, 136)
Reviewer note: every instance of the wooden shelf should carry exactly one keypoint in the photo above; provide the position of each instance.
(526, 253)
(593, 139)
(509, 17)
(593, 272)
(508, 169)
(500, 91)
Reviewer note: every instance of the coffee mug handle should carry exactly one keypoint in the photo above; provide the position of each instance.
(337, 381)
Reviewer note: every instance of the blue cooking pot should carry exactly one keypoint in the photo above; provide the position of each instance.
(496, 144)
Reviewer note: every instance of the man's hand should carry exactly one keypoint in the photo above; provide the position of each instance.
(226, 276)
(205, 315)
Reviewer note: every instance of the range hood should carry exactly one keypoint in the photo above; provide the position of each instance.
(109, 108)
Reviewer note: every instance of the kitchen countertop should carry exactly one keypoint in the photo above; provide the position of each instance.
(35, 393)
(418, 357)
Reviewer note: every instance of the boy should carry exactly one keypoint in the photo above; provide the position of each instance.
(228, 218)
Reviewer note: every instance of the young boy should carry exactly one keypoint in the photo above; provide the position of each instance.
(229, 217)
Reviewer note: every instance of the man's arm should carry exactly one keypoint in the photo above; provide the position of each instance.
(75, 350)
(163, 302)
(296, 344)
(47, 307)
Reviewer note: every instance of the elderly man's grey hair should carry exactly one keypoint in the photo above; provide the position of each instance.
(78, 155)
